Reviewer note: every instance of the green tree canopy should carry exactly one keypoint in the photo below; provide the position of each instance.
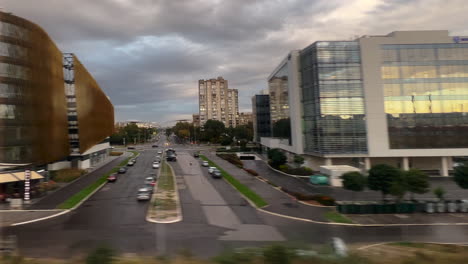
(416, 181)
(277, 157)
(354, 181)
(382, 177)
(213, 129)
(282, 128)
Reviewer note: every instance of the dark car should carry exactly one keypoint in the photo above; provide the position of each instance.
(122, 170)
(130, 147)
(155, 146)
(216, 174)
(112, 177)
(171, 158)
(196, 154)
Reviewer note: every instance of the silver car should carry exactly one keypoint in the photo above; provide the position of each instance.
(211, 169)
(143, 194)
(205, 164)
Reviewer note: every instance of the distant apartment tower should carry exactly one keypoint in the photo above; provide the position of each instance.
(278, 89)
(244, 118)
(196, 120)
(217, 102)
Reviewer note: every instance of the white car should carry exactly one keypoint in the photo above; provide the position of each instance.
(205, 164)
(159, 152)
(144, 194)
(211, 169)
(155, 165)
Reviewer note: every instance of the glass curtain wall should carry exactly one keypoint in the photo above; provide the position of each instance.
(333, 98)
(426, 95)
(279, 104)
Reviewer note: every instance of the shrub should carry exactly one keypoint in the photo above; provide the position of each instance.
(232, 158)
(320, 198)
(277, 254)
(324, 200)
(102, 255)
(115, 153)
(302, 171)
(251, 172)
(67, 175)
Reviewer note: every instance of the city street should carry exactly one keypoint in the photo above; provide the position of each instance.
(215, 217)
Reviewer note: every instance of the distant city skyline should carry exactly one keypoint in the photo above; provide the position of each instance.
(149, 63)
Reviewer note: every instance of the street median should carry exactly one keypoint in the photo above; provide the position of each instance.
(243, 189)
(165, 203)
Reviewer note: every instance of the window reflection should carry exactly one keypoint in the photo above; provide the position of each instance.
(426, 95)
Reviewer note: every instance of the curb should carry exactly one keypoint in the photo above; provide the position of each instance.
(436, 243)
(179, 207)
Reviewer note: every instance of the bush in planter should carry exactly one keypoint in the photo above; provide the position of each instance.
(251, 172)
(324, 200)
(232, 158)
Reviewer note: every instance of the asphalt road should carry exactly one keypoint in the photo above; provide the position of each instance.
(214, 218)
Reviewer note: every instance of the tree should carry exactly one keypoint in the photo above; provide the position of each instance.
(439, 192)
(461, 176)
(382, 177)
(354, 181)
(168, 132)
(416, 181)
(213, 129)
(299, 160)
(277, 158)
(398, 187)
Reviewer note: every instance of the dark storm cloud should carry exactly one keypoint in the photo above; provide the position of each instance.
(148, 55)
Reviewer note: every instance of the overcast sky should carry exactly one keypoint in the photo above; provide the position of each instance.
(148, 55)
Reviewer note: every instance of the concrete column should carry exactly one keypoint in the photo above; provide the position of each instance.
(405, 163)
(367, 164)
(328, 162)
(444, 167)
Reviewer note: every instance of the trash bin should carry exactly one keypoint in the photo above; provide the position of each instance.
(411, 207)
(340, 206)
(419, 206)
(440, 207)
(452, 207)
(429, 207)
(463, 206)
(389, 208)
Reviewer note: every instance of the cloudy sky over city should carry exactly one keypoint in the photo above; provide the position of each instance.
(148, 55)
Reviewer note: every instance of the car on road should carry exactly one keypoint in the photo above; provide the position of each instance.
(155, 146)
(143, 194)
(158, 157)
(196, 155)
(112, 177)
(130, 163)
(130, 147)
(150, 181)
(134, 161)
(216, 174)
(122, 170)
(148, 186)
(205, 163)
(156, 165)
(211, 169)
(160, 152)
(171, 157)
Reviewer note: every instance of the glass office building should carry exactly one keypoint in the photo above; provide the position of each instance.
(261, 116)
(333, 98)
(426, 95)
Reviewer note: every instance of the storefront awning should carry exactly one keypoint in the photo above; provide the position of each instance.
(18, 176)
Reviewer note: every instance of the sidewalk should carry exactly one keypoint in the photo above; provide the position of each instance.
(54, 199)
(8, 218)
(278, 202)
(340, 194)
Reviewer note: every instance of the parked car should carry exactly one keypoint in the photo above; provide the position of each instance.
(148, 186)
(130, 163)
(112, 177)
(143, 194)
(158, 157)
(216, 174)
(205, 163)
(156, 165)
(160, 152)
(122, 170)
(211, 169)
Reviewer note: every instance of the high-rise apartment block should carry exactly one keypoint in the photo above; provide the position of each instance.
(244, 118)
(217, 102)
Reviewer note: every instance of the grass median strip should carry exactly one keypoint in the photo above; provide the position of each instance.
(336, 217)
(164, 205)
(79, 196)
(246, 191)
